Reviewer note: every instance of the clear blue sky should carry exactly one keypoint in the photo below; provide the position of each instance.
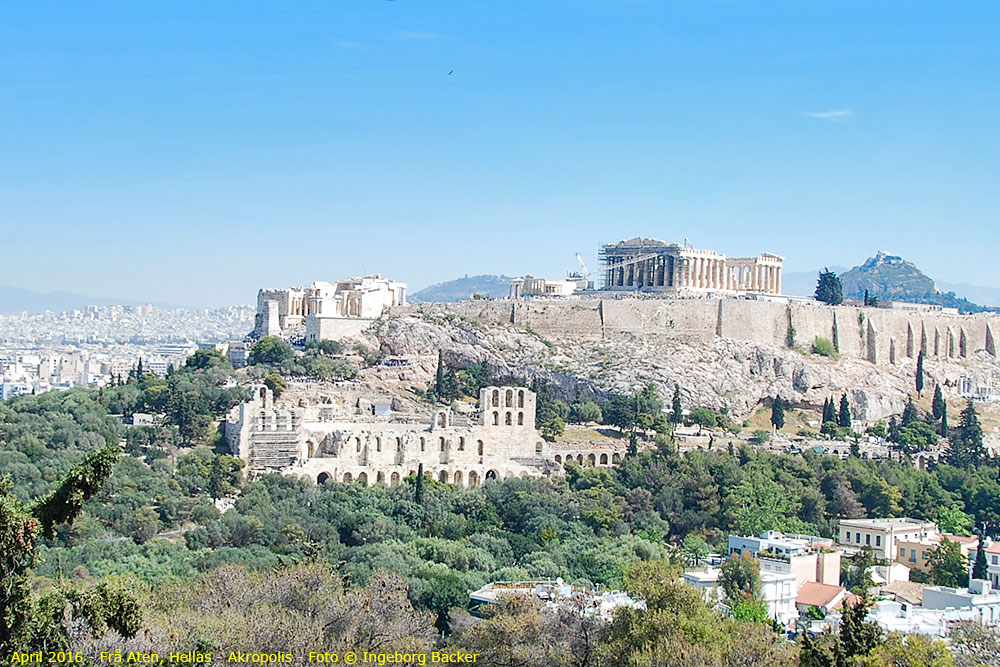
(191, 152)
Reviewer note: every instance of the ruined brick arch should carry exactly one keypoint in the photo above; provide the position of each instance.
(520, 419)
(348, 478)
(520, 398)
(509, 398)
(458, 478)
(604, 459)
(394, 479)
(323, 478)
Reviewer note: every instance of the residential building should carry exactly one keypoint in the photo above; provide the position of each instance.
(808, 557)
(824, 597)
(777, 590)
(992, 562)
(915, 553)
(980, 598)
(881, 535)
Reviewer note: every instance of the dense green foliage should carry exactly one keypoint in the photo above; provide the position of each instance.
(829, 289)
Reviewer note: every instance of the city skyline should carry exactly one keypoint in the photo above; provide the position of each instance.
(194, 154)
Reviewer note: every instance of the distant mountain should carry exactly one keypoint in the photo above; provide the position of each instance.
(892, 278)
(15, 300)
(462, 289)
(987, 296)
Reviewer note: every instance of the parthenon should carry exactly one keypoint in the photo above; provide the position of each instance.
(657, 266)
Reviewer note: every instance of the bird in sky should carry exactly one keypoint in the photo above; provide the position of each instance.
(450, 72)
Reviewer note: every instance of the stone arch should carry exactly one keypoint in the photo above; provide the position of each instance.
(591, 459)
(394, 479)
(423, 443)
(520, 419)
(492, 474)
(461, 443)
(458, 478)
(443, 476)
(509, 475)
(399, 444)
(363, 478)
(520, 398)
(357, 442)
(442, 419)
(479, 447)
(378, 444)
(604, 459)
(616, 458)
(263, 394)
(508, 419)
(496, 398)
(323, 478)
(441, 443)
(509, 398)
(558, 458)
(524, 473)
(473, 478)
(380, 477)
(310, 449)
(579, 459)
(496, 418)
(538, 449)
(348, 478)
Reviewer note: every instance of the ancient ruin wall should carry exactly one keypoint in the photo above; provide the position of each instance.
(882, 336)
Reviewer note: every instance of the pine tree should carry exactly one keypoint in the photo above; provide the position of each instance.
(858, 637)
(676, 411)
(910, 414)
(937, 404)
(418, 491)
(829, 290)
(979, 566)
(778, 413)
(967, 441)
(893, 429)
(920, 372)
(844, 418)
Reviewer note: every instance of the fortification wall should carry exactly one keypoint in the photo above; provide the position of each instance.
(879, 335)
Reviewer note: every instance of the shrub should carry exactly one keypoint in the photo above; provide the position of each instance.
(823, 347)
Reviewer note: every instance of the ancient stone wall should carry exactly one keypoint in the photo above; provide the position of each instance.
(879, 335)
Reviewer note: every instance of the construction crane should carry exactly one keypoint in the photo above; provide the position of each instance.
(585, 274)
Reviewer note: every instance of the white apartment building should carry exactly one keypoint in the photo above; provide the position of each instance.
(881, 534)
(979, 598)
(992, 562)
(807, 557)
(778, 591)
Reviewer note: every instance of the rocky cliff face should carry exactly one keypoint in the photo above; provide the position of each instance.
(739, 375)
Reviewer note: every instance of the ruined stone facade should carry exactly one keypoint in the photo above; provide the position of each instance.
(499, 441)
(649, 265)
(327, 310)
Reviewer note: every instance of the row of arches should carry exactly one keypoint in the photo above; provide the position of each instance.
(509, 398)
(508, 418)
(470, 478)
(593, 458)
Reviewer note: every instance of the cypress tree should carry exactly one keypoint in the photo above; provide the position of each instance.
(920, 372)
(778, 413)
(943, 430)
(937, 404)
(844, 418)
(829, 288)
(439, 378)
(967, 441)
(979, 566)
(909, 413)
(418, 491)
(829, 413)
(676, 411)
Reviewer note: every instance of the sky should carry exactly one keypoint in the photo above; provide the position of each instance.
(193, 152)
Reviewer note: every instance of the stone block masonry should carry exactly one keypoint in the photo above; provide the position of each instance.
(882, 336)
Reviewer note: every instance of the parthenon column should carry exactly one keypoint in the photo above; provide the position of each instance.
(778, 285)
